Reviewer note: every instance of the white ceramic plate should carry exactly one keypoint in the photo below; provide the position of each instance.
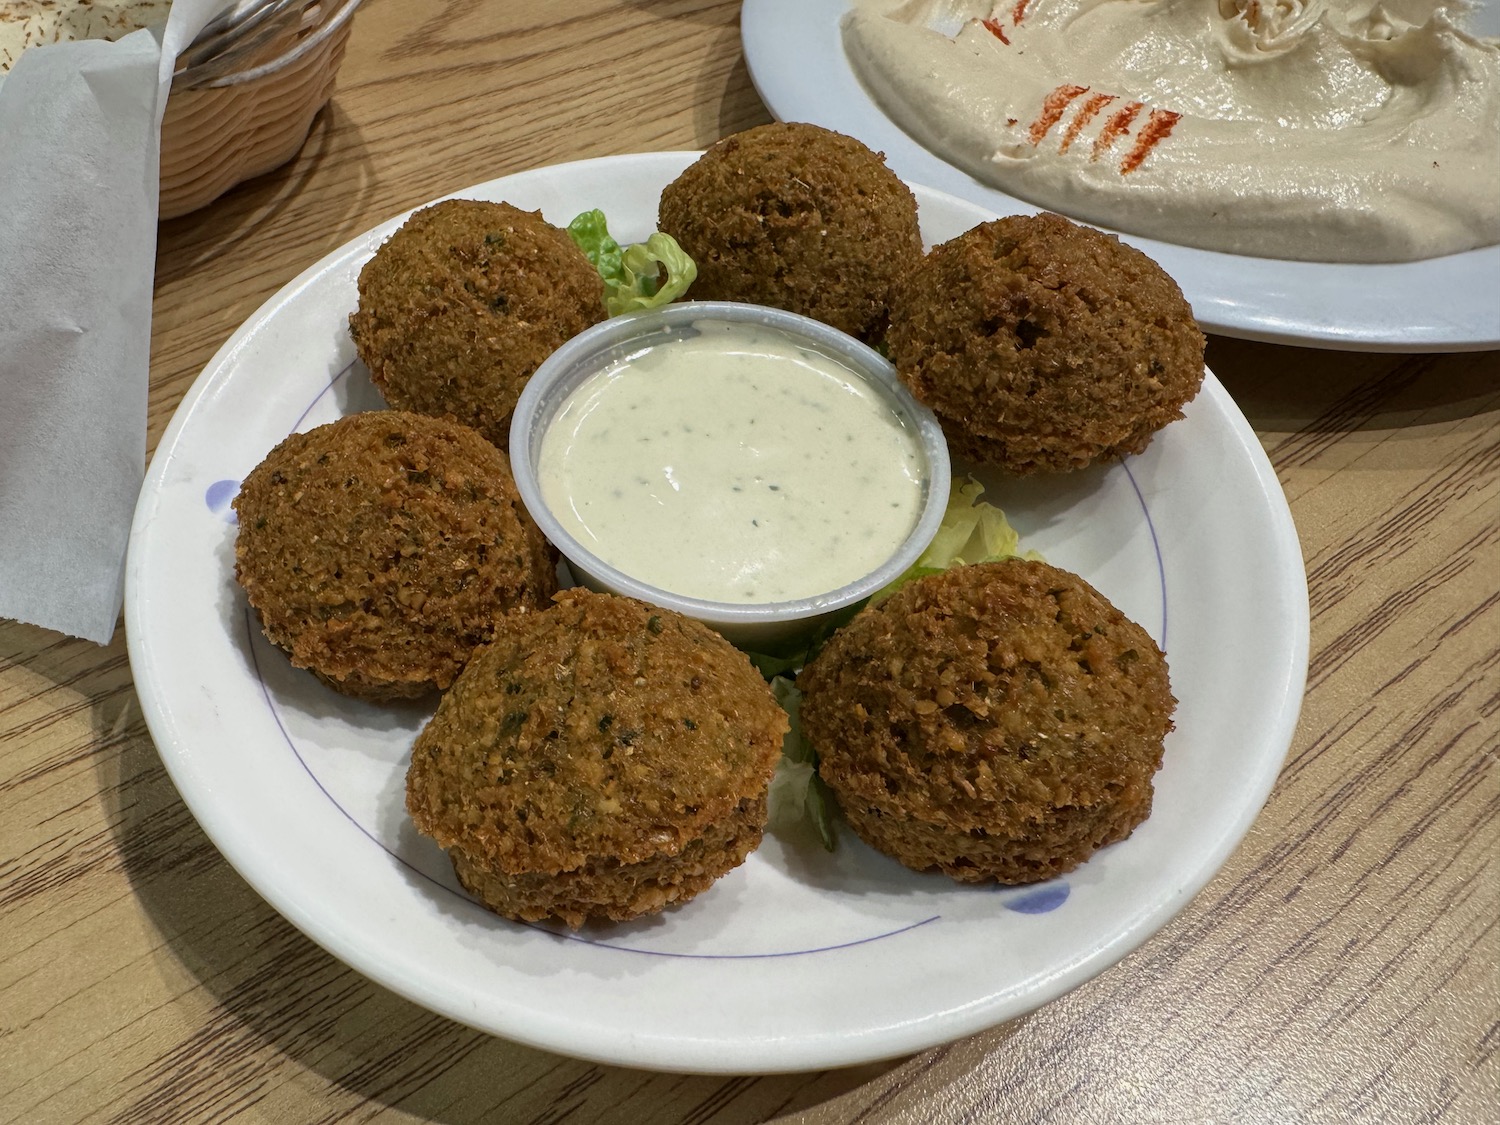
(799, 959)
(797, 62)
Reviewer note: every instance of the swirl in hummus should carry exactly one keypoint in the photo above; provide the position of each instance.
(1331, 130)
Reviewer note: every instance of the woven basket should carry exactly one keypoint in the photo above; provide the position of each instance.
(228, 121)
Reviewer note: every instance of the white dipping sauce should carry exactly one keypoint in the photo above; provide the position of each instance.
(734, 465)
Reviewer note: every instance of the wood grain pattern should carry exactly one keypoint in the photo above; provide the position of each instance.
(1343, 966)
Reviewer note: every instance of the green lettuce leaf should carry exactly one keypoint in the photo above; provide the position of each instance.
(799, 799)
(972, 531)
(632, 275)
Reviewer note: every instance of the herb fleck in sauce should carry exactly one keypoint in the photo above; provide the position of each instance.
(733, 465)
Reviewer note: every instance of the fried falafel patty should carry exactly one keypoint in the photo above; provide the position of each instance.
(1000, 721)
(1043, 345)
(381, 549)
(460, 306)
(600, 759)
(797, 217)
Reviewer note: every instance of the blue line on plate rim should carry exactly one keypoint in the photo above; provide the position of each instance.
(251, 635)
(1161, 564)
(348, 367)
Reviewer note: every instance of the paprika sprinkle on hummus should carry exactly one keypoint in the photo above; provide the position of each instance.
(1325, 130)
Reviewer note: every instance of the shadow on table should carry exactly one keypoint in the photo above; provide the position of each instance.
(252, 993)
(232, 223)
(1305, 392)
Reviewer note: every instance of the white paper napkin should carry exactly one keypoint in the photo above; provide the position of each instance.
(80, 130)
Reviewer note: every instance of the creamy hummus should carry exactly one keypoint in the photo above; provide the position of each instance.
(1334, 130)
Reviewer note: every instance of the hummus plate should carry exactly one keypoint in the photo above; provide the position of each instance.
(303, 789)
(797, 59)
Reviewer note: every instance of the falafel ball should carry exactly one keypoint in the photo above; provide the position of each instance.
(797, 217)
(381, 549)
(600, 759)
(1000, 721)
(1043, 345)
(460, 306)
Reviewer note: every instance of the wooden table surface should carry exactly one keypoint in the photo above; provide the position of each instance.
(1342, 966)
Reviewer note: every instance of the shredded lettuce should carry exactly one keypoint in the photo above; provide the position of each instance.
(799, 798)
(972, 531)
(632, 275)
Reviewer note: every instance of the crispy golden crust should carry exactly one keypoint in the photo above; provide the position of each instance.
(605, 888)
(998, 721)
(597, 758)
(380, 549)
(1043, 345)
(796, 217)
(464, 302)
